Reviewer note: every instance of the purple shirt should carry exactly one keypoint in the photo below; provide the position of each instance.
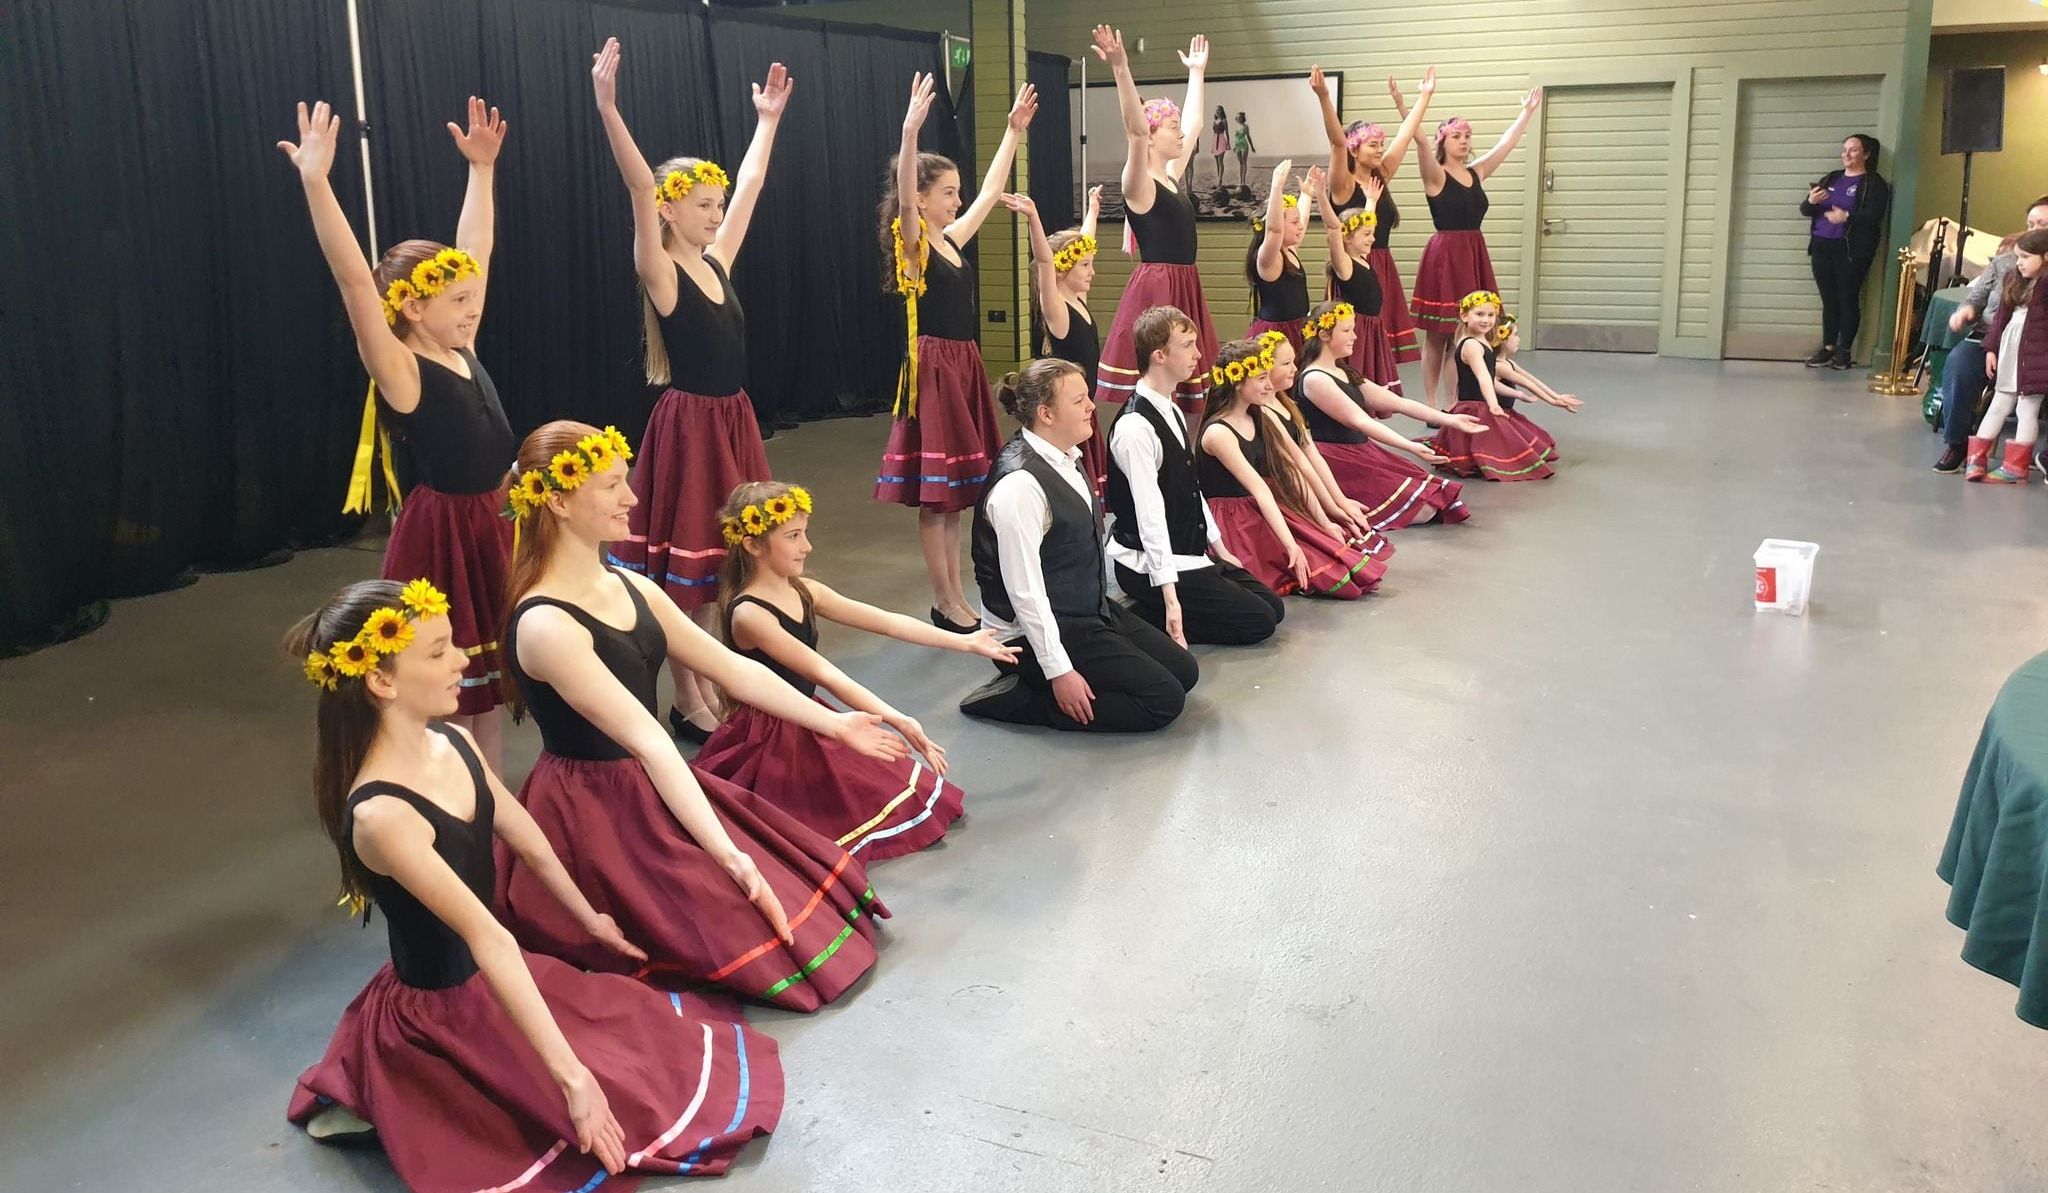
(1843, 195)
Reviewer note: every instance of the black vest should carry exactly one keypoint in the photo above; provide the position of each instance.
(1187, 526)
(1070, 554)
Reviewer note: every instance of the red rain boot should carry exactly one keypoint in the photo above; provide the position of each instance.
(1978, 460)
(2013, 469)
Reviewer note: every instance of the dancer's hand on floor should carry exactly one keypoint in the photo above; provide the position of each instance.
(747, 876)
(605, 931)
(597, 1131)
(1075, 697)
(864, 733)
(914, 734)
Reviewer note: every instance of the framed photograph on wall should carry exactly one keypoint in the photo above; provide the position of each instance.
(1253, 123)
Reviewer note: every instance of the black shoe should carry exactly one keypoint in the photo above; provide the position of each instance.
(949, 625)
(1951, 459)
(1839, 362)
(684, 729)
(767, 432)
(1000, 699)
(1820, 359)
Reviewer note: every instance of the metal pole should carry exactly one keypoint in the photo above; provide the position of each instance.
(1081, 205)
(355, 59)
(1963, 236)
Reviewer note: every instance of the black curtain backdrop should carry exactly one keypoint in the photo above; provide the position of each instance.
(1051, 140)
(175, 369)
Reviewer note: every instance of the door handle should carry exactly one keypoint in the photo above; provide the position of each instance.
(1551, 227)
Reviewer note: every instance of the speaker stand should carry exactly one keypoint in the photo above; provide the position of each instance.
(1963, 235)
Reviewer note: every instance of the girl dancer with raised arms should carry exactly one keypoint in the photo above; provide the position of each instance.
(1455, 261)
(472, 1060)
(702, 438)
(1272, 262)
(1350, 278)
(872, 809)
(1062, 270)
(1505, 450)
(1343, 413)
(945, 433)
(1360, 153)
(415, 318)
(1159, 220)
(677, 856)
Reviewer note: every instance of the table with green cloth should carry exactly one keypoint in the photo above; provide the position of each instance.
(1996, 859)
(1938, 339)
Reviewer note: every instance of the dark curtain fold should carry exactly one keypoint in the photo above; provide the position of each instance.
(1051, 141)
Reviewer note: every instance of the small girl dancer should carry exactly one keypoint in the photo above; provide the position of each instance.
(945, 433)
(468, 1057)
(1505, 450)
(1160, 221)
(1350, 278)
(717, 884)
(1343, 412)
(1360, 152)
(1272, 262)
(2016, 357)
(1511, 379)
(874, 810)
(702, 438)
(415, 318)
(1254, 478)
(1455, 262)
(1062, 270)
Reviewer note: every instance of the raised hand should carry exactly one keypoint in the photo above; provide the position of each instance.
(1373, 186)
(313, 153)
(1426, 87)
(1533, 100)
(772, 97)
(1109, 46)
(1281, 173)
(1312, 182)
(747, 876)
(605, 931)
(1197, 56)
(1021, 204)
(1095, 201)
(604, 74)
(597, 1130)
(1025, 107)
(988, 646)
(864, 733)
(922, 91)
(486, 135)
(1317, 83)
(1394, 90)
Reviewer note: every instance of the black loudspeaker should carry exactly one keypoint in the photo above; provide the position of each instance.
(1973, 111)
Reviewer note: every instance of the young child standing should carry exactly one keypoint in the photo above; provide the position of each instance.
(2016, 356)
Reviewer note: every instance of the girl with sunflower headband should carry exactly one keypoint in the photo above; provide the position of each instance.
(1515, 382)
(1255, 479)
(1505, 449)
(945, 432)
(464, 1054)
(1062, 270)
(1272, 262)
(873, 809)
(1327, 502)
(1360, 154)
(717, 884)
(1343, 412)
(702, 437)
(1159, 222)
(1350, 278)
(415, 318)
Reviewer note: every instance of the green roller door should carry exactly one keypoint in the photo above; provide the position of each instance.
(1603, 221)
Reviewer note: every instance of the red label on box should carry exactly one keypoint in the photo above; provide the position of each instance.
(1766, 585)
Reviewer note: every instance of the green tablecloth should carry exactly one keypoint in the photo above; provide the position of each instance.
(1941, 304)
(1996, 859)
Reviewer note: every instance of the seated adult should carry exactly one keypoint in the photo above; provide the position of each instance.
(1963, 379)
(1084, 662)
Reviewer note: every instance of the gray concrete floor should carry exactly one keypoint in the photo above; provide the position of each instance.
(1551, 867)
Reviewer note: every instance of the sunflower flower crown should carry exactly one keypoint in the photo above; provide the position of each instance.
(1364, 217)
(1343, 312)
(1289, 202)
(681, 182)
(1502, 330)
(1159, 111)
(1244, 368)
(1070, 256)
(387, 631)
(566, 472)
(1478, 298)
(760, 517)
(429, 278)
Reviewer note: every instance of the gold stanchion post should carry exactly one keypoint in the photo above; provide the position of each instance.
(1898, 379)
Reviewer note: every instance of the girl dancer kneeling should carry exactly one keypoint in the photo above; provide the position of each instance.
(475, 1062)
(1254, 478)
(872, 809)
(1511, 379)
(1343, 413)
(415, 318)
(1505, 450)
(1062, 270)
(698, 870)
(1327, 502)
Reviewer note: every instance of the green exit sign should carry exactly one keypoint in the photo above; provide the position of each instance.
(962, 53)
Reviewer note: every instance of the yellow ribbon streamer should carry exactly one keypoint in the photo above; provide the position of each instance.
(911, 288)
(374, 438)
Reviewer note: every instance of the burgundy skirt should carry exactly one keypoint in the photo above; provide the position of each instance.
(872, 809)
(1541, 436)
(632, 859)
(697, 450)
(1291, 328)
(1393, 488)
(1152, 286)
(1335, 568)
(461, 1101)
(459, 541)
(1372, 357)
(940, 459)
(1506, 451)
(1394, 314)
(1454, 264)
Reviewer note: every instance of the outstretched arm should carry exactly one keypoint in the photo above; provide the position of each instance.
(1486, 165)
(1093, 215)
(922, 89)
(770, 99)
(391, 364)
(962, 229)
(1052, 309)
(1197, 61)
(1540, 388)
(1219, 441)
(1394, 92)
(1411, 123)
(1333, 132)
(1325, 507)
(1320, 389)
(866, 618)
(1272, 259)
(476, 229)
(1333, 232)
(1136, 179)
(1475, 357)
(650, 260)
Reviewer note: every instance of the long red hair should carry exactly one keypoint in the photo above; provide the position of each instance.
(537, 531)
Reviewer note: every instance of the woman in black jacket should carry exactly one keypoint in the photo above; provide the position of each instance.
(1848, 209)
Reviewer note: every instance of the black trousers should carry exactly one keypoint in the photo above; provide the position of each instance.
(1140, 676)
(1220, 605)
(1840, 278)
